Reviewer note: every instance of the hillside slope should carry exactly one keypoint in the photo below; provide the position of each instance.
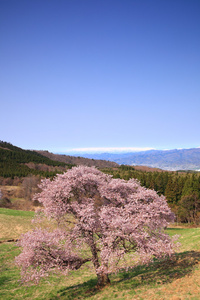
(79, 160)
(17, 162)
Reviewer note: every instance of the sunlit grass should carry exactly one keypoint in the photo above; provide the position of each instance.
(16, 213)
(189, 238)
(14, 222)
(178, 278)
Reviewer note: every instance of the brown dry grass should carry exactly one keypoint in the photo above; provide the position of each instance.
(11, 227)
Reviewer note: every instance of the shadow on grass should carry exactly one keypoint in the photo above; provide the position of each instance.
(79, 291)
(4, 279)
(159, 272)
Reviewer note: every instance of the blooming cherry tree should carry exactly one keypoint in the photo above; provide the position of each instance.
(111, 222)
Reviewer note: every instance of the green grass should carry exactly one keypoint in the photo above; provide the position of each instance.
(189, 238)
(18, 213)
(179, 277)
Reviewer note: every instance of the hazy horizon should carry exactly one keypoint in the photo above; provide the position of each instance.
(104, 150)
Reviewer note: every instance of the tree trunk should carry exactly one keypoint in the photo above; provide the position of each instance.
(103, 280)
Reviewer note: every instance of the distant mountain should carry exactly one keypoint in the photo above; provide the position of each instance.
(177, 159)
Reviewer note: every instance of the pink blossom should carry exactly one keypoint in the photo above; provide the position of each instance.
(99, 219)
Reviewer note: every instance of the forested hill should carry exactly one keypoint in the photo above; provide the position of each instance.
(17, 162)
(23, 156)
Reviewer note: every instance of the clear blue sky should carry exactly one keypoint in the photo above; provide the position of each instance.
(100, 73)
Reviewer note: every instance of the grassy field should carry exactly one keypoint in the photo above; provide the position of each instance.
(14, 222)
(174, 279)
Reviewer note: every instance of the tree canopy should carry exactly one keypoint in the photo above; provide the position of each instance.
(99, 219)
